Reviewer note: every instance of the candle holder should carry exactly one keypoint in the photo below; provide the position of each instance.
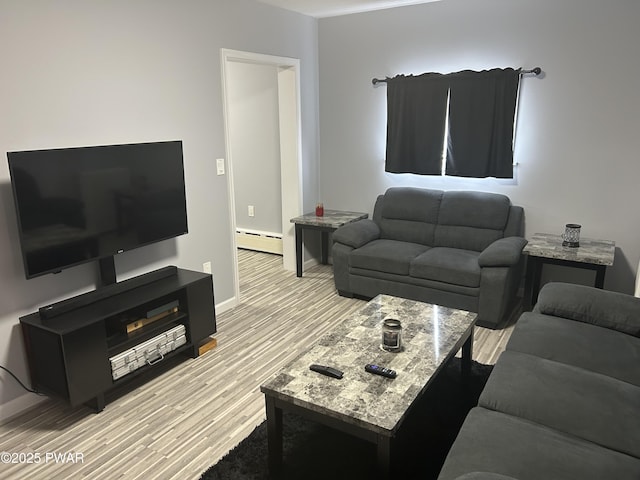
(319, 210)
(571, 235)
(391, 335)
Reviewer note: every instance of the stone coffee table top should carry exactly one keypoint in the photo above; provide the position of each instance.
(431, 335)
(597, 252)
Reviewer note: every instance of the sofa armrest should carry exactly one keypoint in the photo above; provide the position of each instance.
(504, 252)
(603, 308)
(356, 234)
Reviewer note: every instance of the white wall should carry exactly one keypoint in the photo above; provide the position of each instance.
(255, 144)
(114, 71)
(578, 133)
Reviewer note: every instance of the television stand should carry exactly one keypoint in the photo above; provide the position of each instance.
(74, 356)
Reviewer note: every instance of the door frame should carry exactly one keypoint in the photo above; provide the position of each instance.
(288, 73)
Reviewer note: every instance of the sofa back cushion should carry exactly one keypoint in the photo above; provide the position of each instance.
(471, 220)
(408, 214)
(454, 219)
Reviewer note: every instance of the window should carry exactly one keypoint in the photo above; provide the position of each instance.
(467, 118)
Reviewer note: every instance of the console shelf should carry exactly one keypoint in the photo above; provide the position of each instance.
(122, 341)
(69, 354)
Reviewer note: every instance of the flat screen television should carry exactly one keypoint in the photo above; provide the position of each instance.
(76, 205)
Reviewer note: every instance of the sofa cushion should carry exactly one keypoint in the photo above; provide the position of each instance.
(585, 304)
(448, 265)
(495, 442)
(408, 214)
(471, 220)
(391, 256)
(587, 405)
(615, 354)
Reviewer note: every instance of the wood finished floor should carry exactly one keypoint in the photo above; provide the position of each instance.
(179, 423)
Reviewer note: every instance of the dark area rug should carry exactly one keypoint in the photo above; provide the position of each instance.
(313, 451)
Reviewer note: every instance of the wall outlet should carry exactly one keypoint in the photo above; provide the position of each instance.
(252, 211)
(206, 267)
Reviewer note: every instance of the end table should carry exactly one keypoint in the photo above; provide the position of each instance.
(547, 248)
(329, 222)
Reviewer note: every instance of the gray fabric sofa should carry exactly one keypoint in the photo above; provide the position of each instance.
(563, 401)
(458, 249)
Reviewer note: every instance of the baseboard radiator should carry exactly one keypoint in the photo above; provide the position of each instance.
(261, 241)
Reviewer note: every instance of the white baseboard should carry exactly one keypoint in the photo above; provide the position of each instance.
(310, 263)
(226, 305)
(19, 405)
(261, 241)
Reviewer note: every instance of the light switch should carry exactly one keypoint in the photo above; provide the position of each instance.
(220, 166)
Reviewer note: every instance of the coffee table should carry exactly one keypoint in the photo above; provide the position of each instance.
(368, 406)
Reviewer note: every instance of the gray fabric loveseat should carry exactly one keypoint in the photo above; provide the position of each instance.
(459, 249)
(563, 401)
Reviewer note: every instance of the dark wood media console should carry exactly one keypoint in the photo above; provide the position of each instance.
(69, 354)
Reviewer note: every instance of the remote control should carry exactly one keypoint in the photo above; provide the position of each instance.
(328, 371)
(378, 370)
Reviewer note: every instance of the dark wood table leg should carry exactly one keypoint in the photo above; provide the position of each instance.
(537, 275)
(299, 250)
(600, 271)
(384, 457)
(532, 282)
(467, 357)
(274, 437)
(325, 247)
(528, 285)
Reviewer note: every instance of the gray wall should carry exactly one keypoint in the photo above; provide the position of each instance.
(114, 71)
(255, 145)
(578, 131)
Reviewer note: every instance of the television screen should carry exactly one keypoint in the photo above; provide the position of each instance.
(76, 205)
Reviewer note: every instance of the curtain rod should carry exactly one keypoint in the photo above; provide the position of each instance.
(536, 70)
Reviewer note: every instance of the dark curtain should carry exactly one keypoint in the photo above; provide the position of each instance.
(482, 109)
(416, 113)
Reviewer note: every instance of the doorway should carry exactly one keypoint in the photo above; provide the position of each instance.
(286, 80)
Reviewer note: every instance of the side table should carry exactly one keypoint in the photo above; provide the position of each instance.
(547, 248)
(329, 222)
